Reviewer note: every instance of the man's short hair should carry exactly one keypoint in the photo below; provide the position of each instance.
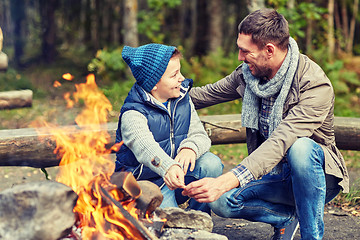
(266, 25)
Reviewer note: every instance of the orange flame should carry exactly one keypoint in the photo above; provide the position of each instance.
(68, 76)
(86, 165)
(56, 84)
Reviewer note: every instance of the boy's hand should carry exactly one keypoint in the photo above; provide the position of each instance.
(186, 157)
(174, 178)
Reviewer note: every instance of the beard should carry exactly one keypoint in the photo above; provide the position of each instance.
(261, 72)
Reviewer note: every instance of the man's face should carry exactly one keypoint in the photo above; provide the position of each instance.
(255, 58)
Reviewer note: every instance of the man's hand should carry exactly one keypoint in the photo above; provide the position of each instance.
(174, 178)
(210, 189)
(186, 157)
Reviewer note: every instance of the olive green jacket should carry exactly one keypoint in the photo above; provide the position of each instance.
(308, 112)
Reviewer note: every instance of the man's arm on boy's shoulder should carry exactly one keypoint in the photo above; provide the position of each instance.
(140, 140)
(224, 90)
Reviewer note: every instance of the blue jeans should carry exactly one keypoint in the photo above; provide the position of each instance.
(296, 187)
(208, 165)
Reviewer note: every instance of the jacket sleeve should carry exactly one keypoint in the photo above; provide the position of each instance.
(227, 89)
(139, 139)
(197, 138)
(308, 114)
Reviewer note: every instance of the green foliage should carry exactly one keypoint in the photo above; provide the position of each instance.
(12, 80)
(108, 64)
(299, 16)
(151, 20)
(210, 68)
(117, 92)
(346, 85)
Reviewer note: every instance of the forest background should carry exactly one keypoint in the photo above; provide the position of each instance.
(44, 39)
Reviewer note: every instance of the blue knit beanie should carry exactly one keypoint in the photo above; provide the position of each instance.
(148, 63)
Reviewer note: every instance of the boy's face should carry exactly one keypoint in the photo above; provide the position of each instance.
(170, 82)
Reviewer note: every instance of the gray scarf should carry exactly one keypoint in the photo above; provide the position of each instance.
(280, 83)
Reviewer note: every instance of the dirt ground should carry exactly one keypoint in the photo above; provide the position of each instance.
(339, 225)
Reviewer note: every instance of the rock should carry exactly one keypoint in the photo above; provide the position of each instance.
(37, 211)
(190, 219)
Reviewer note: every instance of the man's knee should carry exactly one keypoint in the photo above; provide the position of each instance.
(301, 146)
(220, 207)
(304, 153)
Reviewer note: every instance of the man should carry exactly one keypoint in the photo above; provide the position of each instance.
(293, 167)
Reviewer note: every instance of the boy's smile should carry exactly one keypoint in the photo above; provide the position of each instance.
(170, 82)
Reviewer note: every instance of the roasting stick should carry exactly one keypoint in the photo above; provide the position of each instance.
(142, 229)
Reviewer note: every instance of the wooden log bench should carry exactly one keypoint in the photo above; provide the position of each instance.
(16, 99)
(22, 147)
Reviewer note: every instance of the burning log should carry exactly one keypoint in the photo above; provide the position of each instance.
(127, 185)
(146, 201)
(143, 230)
(150, 199)
(16, 99)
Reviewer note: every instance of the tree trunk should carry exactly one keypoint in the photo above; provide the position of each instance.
(87, 21)
(194, 23)
(95, 24)
(253, 5)
(185, 25)
(339, 42)
(48, 24)
(309, 31)
(116, 23)
(308, 35)
(290, 4)
(349, 45)
(344, 15)
(331, 38)
(17, 8)
(202, 28)
(215, 29)
(131, 37)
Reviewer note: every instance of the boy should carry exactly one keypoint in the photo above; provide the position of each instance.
(164, 140)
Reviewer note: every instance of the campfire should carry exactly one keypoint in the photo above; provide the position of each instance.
(108, 206)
